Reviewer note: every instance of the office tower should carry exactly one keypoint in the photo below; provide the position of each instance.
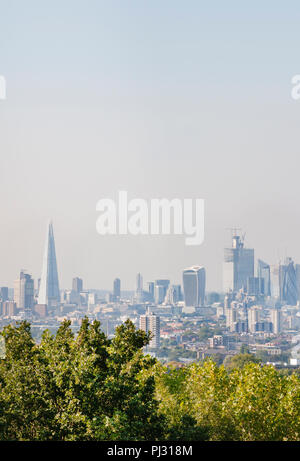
(275, 281)
(238, 265)
(9, 308)
(213, 297)
(117, 289)
(253, 319)
(288, 282)
(4, 293)
(151, 291)
(173, 295)
(139, 283)
(140, 295)
(263, 273)
(254, 285)
(194, 286)
(49, 286)
(275, 315)
(231, 317)
(24, 291)
(151, 323)
(159, 294)
(163, 282)
(77, 284)
(92, 299)
(228, 298)
(285, 282)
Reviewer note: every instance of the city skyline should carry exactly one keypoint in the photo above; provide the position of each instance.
(242, 272)
(162, 101)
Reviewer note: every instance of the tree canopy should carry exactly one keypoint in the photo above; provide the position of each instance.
(89, 387)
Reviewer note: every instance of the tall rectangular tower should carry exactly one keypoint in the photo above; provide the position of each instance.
(151, 323)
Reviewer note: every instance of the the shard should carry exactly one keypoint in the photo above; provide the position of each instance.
(49, 286)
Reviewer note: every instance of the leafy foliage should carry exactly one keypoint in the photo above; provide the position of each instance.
(87, 387)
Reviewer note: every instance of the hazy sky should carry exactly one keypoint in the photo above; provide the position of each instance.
(162, 99)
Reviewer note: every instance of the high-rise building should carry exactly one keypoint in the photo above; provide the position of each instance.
(163, 283)
(4, 293)
(24, 291)
(253, 319)
(285, 282)
(254, 286)
(231, 317)
(117, 289)
(49, 287)
(159, 294)
(238, 265)
(151, 323)
(9, 308)
(139, 292)
(288, 282)
(151, 291)
(264, 275)
(173, 294)
(275, 281)
(77, 284)
(194, 286)
(275, 315)
(139, 283)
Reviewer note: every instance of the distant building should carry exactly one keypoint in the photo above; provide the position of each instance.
(49, 287)
(9, 308)
(275, 315)
(217, 341)
(41, 310)
(117, 289)
(139, 292)
(92, 299)
(253, 318)
(24, 291)
(151, 323)
(163, 283)
(231, 317)
(285, 279)
(4, 293)
(288, 282)
(255, 286)
(264, 275)
(139, 282)
(159, 294)
(238, 265)
(173, 295)
(151, 286)
(194, 286)
(77, 284)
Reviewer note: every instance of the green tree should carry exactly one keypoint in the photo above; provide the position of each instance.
(239, 361)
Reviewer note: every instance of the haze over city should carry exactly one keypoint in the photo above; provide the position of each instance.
(159, 99)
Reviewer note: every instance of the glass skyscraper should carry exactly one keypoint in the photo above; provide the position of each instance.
(263, 273)
(194, 286)
(49, 286)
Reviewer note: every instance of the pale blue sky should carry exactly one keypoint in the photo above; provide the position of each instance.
(160, 98)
